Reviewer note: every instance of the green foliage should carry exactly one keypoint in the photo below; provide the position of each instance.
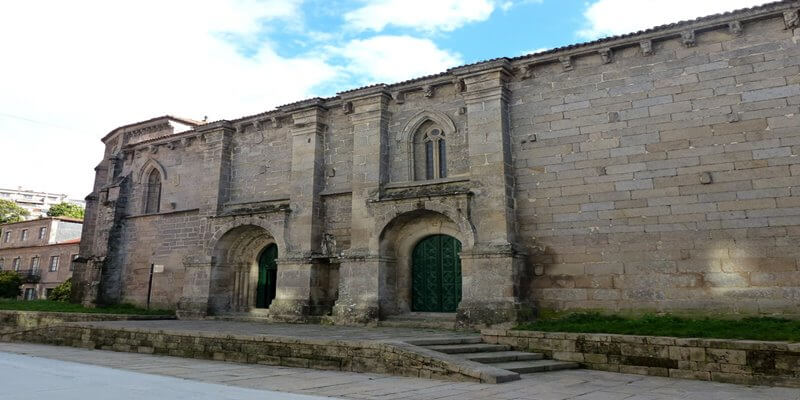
(59, 306)
(753, 328)
(66, 210)
(10, 284)
(11, 212)
(61, 292)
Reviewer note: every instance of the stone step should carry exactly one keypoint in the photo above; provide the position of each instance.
(468, 348)
(444, 341)
(422, 316)
(526, 367)
(501, 356)
(418, 324)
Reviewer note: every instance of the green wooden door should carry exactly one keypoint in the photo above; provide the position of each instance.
(436, 274)
(267, 275)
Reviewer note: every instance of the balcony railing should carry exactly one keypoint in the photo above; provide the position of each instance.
(30, 275)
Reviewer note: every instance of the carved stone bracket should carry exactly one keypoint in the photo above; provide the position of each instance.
(428, 90)
(399, 97)
(276, 122)
(647, 47)
(735, 28)
(153, 149)
(606, 55)
(688, 38)
(791, 19)
(347, 107)
(566, 62)
(526, 72)
(460, 85)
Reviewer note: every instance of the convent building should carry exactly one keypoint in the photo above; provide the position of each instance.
(654, 171)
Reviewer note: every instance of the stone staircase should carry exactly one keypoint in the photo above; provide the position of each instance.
(501, 356)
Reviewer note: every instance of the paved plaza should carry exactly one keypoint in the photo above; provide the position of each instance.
(201, 380)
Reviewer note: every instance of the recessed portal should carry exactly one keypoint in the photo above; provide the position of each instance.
(436, 274)
(267, 276)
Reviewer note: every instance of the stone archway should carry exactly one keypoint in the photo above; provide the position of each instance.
(235, 269)
(397, 243)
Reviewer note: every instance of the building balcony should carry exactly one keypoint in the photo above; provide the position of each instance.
(30, 275)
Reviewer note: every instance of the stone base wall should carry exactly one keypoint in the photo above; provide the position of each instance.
(732, 361)
(394, 358)
(14, 321)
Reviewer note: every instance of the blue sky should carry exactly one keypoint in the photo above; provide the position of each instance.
(84, 67)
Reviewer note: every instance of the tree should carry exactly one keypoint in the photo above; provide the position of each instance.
(10, 284)
(66, 210)
(11, 212)
(61, 292)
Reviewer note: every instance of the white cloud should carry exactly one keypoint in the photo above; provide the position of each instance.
(76, 71)
(73, 73)
(423, 15)
(534, 51)
(391, 59)
(614, 17)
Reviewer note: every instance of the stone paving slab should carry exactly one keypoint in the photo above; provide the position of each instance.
(306, 331)
(561, 385)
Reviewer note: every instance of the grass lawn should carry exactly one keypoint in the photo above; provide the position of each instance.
(57, 306)
(756, 328)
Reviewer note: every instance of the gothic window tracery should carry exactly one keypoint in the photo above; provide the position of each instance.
(152, 198)
(430, 154)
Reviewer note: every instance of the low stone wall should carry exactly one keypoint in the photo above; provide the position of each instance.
(13, 321)
(396, 358)
(732, 361)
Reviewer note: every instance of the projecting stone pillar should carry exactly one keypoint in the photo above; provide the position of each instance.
(193, 303)
(301, 272)
(360, 273)
(491, 269)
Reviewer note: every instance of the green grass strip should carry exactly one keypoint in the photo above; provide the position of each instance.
(754, 328)
(57, 306)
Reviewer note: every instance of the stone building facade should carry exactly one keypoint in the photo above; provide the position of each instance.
(40, 250)
(651, 171)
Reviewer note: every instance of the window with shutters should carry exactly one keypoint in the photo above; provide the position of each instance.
(54, 263)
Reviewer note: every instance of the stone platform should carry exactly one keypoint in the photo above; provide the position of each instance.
(354, 349)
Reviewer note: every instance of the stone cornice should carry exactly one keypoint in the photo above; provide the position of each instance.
(501, 64)
(683, 31)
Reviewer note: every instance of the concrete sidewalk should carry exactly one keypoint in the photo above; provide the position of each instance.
(575, 384)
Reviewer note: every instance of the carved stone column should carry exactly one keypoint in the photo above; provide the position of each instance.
(361, 273)
(491, 269)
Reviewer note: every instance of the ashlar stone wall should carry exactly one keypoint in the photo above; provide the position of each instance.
(664, 177)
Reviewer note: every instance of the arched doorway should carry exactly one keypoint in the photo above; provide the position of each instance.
(236, 268)
(436, 274)
(267, 276)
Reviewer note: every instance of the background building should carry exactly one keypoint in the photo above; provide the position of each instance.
(42, 251)
(37, 203)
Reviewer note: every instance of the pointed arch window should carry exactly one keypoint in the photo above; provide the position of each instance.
(431, 155)
(152, 199)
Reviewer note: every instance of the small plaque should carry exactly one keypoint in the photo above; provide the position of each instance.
(158, 268)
